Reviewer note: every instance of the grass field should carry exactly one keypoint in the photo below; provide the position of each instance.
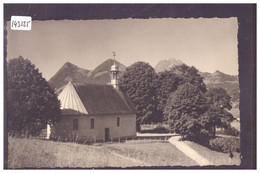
(33, 153)
(217, 158)
(153, 153)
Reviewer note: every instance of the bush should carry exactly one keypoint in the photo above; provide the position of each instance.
(229, 131)
(159, 128)
(225, 144)
(202, 140)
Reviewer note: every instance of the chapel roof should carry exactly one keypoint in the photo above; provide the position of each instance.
(94, 99)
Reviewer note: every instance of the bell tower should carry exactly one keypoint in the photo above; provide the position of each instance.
(114, 71)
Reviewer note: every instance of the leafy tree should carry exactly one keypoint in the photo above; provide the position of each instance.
(31, 103)
(209, 120)
(190, 75)
(184, 108)
(219, 98)
(165, 83)
(169, 80)
(138, 82)
(217, 114)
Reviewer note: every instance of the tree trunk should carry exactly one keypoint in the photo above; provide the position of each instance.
(214, 130)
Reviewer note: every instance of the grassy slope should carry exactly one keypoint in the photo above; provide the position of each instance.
(38, 154)
(154, 153)
(35, 153)
(217, 158)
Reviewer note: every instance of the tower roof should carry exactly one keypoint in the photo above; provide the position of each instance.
(114, 67)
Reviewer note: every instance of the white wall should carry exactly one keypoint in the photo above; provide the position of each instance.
(127, 126)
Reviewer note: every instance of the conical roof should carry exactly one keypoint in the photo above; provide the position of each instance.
(70, 100)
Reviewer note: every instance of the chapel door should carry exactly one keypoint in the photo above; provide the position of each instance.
(106, 134)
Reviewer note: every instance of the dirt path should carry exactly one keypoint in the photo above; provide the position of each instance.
(189, 151)
(129, 159)
(139, 162)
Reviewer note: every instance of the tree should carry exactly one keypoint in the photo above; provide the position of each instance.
(31, 103)
(189, 75)
(209, 120)
(184, 108)
(217, 115)
(166, 83)
(219, 98)
(138, 83)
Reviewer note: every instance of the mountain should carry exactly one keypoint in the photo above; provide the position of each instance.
(219, 79)
(216, 79)
(229, 83)
(101, 74)
(167, 64)
(212, 80)
(70, 72)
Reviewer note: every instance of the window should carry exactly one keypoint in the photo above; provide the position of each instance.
(75, 124)
(118, 122)
(92, 125)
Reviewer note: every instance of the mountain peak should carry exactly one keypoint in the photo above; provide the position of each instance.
(68, 72)
(106, 66)
(167, 64)
(109, 60)
(73, 73)
(68, 64)
(218, 72)
(220, 79)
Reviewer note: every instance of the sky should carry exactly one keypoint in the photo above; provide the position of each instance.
(207, 44)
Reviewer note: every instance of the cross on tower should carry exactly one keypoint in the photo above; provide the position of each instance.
(114, 54)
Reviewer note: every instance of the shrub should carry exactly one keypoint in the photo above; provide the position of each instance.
(159, 128)
(225, 144)
(202, 140)
(229, 131)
